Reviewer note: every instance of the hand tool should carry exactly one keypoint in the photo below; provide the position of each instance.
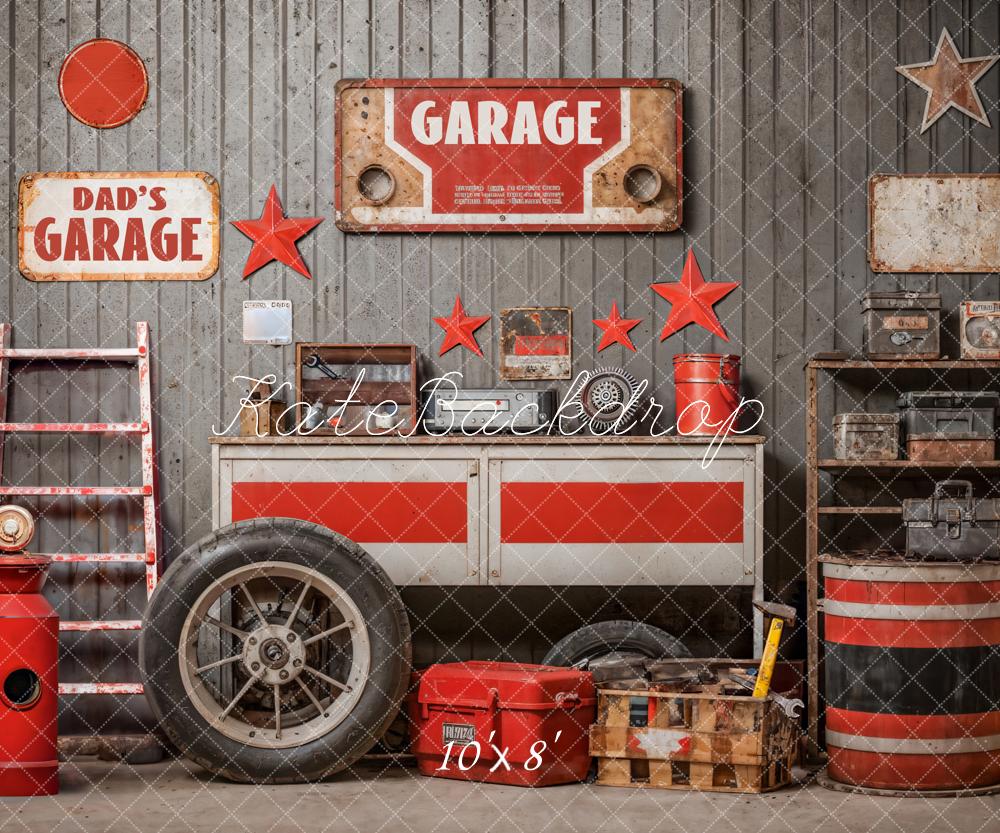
(791, 706)
(315, 361)
(780, 614)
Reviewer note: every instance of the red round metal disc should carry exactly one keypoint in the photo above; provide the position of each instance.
(103, 83)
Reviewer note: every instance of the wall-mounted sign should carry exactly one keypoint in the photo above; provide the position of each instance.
(934, 222)
(103, 83)
(267, 322)
(536, 343)
(88, 226)
(508, 155)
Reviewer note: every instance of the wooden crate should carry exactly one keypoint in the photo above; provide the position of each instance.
(701, 739)
(390, 375)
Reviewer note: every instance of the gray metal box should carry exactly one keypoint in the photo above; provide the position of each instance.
(866, 436)
(944, 527)
(902, 325)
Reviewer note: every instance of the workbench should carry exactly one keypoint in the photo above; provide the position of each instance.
(514, 511)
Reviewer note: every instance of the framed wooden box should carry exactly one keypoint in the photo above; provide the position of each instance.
(388, 373)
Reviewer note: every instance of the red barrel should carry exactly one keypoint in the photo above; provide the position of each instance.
(912, 669)
(707, 392)
(29, 691)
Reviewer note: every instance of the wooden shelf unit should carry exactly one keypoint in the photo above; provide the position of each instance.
(816, 466)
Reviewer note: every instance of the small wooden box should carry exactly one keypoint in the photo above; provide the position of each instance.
(261, 416)
(699, 739)
(390, 374)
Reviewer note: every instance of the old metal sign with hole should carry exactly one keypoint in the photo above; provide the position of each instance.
(934, 222)
(508, 155)
(88, 226)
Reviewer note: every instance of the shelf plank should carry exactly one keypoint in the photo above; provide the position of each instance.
(926, 364)
(875, 465)
(860, 510)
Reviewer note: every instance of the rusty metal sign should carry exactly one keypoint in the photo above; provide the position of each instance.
(934, 222)
(116, 226)
(536, 343)
(489, 155)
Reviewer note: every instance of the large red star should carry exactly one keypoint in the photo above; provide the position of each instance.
(616, 329)
(950, 81)
(274, 237)
(459, 329)
(692, 300)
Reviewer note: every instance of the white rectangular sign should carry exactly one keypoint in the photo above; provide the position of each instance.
(125, 226)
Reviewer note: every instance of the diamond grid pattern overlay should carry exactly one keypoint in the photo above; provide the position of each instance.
(788, 107)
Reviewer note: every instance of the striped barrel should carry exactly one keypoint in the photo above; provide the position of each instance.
(912, 670)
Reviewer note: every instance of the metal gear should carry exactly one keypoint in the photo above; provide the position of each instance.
(607, 396)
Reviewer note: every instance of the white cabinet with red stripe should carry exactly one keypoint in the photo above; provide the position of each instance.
(514, 511)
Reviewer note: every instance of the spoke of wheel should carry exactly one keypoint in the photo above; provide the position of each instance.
(317, 673)
(211, 620)
(239, 696)
(253, 603)
(324, 634)
(310, 695)
(277, 712)
(201, 669)
(302, 597)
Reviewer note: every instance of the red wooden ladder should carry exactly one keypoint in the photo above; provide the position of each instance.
(150, 556)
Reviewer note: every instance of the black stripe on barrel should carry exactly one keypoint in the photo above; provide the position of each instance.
(912, 671)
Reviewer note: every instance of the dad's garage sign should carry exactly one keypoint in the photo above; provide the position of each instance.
(508, 155)
(87, 226)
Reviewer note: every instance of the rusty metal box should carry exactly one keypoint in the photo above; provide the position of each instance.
(950, 425)
(866, 436)
(945, 527)
(902, 325)
(980, 329)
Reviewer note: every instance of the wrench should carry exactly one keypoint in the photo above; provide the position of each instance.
(791, 706)
(323, 367)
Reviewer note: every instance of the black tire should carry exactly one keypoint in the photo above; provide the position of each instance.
(305, 545)
(622, 636)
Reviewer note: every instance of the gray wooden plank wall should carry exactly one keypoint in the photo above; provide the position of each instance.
(789, 106)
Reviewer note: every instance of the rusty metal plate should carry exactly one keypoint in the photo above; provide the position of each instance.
(489, 155)
(536, 343)
(117, 226)
(934, 222)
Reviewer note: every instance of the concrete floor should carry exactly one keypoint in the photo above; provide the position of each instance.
(177, 796)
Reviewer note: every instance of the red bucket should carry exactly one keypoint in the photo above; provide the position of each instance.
(707, 392)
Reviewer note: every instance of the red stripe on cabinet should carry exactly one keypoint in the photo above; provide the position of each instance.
(623, 513)
(366, 512)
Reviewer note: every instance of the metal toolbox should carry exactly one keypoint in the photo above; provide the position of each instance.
(950, 425)
(502, 722)
(949, 528)
(866, 436)
(980, 329)
(902, 325)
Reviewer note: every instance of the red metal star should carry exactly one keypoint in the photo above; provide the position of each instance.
(692, 299)
(459, 329)
(616, 329)
(274, 237)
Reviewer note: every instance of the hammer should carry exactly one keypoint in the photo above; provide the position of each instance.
(780, 614)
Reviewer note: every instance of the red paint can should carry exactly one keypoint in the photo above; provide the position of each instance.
(707, 392)
(29, 690)
(502, 722)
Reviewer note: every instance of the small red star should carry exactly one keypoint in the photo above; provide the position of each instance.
(616, 329)
(692, 299)
(459, 329)
(274, 237)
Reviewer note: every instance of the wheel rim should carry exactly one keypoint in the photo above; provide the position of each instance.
(274, 655)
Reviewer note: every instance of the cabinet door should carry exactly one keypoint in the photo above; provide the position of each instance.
(417, 518)
(601, 520)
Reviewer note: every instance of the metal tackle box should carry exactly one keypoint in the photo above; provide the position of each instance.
(866, 436)
(902, 325)
(950, 425)
(944, 527)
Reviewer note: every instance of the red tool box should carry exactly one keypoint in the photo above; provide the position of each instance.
(502, 722)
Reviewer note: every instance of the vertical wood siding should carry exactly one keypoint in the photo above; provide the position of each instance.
(789, 106)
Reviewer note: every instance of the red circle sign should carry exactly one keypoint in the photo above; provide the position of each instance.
(103, 83)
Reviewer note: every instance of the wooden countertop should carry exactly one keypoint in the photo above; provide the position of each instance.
(507, 439)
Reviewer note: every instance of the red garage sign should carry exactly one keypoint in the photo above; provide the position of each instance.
(82, 226)
(508, 155)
